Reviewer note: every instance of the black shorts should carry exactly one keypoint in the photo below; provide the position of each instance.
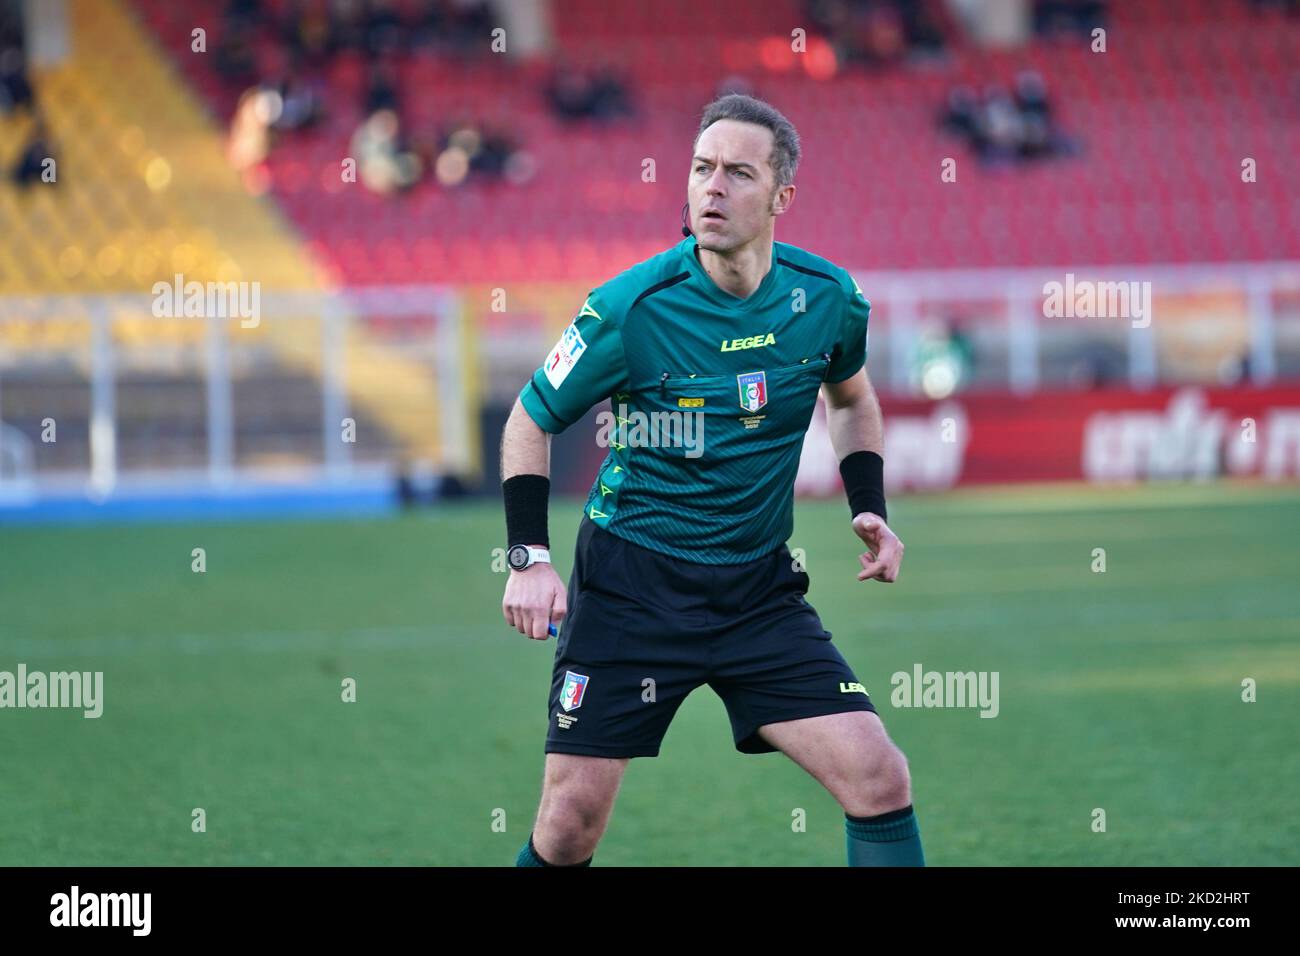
(644, 629)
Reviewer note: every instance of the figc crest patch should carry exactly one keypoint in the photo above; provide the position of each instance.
(753, 390)
(575, 688)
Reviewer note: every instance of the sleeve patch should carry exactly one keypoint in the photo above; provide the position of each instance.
(564, 356)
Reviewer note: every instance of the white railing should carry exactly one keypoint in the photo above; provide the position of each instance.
(108, 346)
(17, 468)
(95, 353)
(1014, 300)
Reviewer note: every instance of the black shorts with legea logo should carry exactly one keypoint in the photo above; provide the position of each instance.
(644, 629)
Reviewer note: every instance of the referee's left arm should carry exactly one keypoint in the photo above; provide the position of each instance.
(857, 432)
(858, 436)
(853, 416)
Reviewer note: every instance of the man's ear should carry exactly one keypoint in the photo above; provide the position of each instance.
(782, 199)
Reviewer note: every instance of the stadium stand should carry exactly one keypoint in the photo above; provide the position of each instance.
(1175, 76)
(143, 191)
(145, 188)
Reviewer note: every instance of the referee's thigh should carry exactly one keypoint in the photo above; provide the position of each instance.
(851, 755)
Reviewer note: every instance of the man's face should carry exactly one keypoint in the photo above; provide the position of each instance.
(732, 188)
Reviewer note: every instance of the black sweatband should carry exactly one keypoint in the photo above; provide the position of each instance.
(526, 500)
(864, 482)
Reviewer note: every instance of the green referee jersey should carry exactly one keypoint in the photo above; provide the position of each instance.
(710, 396)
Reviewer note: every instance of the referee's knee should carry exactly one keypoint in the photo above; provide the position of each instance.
(569, 829)
(885, 785)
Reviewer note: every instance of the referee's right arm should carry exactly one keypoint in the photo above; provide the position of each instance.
(586, 366)
(535, 597)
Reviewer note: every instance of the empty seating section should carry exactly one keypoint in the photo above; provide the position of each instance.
(1163, 120)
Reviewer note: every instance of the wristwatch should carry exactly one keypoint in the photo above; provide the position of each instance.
(521, 556)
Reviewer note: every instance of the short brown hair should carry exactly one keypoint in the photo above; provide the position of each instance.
(748, 109)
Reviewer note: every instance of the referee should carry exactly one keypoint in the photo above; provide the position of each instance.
(681, 574)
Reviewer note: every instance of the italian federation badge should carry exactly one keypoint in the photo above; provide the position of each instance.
(753, 390)
(575, 686)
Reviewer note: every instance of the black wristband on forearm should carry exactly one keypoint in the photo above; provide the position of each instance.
(526, 500)
(864, 482)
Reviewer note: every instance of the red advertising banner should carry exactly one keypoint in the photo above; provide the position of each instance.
(1110, 435)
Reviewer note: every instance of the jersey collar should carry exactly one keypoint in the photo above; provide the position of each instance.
(717, 295)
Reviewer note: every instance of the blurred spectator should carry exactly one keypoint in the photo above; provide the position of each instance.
(922, 32)
(381, 89)
(1053, 17)
(383, 28)
(470, 24)
(384, 164)
(570, 93)
(492, 156)
(11, 26)
(235, 57)
(1031, 94)
(577, 95)
(961, 115)
(468, 150)
(877, 32)
(31, 161)
(428, 23)
(308, 33)
(881, 33)
(1097, 365)
(244, 13)
(611, 98)
(943, 358)
(1291, 7)
(963, 345)
(250, 137)
(15, 89)
(301, 105)
(348, 24)
(734, 83)
(1236, 369)
(1036, 135)
(1003, 127)
(312, 32)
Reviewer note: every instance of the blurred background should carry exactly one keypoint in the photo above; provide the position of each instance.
(423, 203)
(408, 200)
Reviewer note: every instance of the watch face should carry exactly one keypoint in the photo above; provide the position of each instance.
(517, 557)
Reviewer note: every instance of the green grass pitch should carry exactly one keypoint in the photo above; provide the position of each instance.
(1118, 690)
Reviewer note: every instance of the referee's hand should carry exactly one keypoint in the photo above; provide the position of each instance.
(884, 551)
(534, 599)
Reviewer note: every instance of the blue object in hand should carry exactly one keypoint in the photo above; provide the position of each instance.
(551, 630)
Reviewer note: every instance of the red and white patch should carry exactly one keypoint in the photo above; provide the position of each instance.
(564, 356)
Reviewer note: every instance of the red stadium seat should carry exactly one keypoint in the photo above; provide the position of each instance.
(1202, 80)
